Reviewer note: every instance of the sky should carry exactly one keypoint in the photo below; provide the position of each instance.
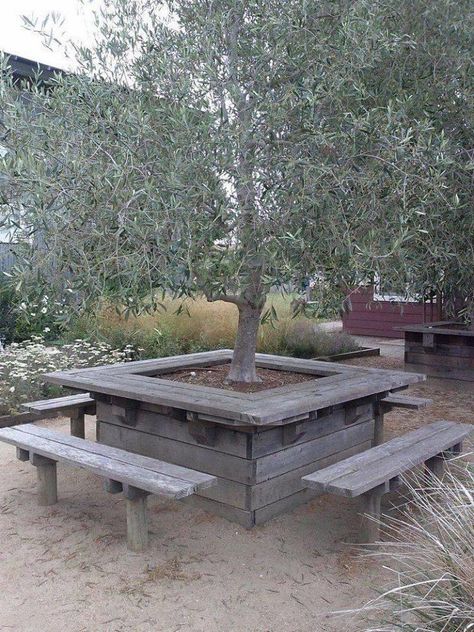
(17, 40)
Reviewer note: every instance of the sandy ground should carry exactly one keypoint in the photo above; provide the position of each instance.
(66, 567)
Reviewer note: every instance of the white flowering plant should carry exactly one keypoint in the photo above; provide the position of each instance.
(23, 365)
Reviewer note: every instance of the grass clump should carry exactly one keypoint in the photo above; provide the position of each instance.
(431, 555)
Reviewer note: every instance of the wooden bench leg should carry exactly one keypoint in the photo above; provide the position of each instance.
(435, 466)
(47, 479)
(378, 426)
(137, 523)
(77, 424)
(370, 528)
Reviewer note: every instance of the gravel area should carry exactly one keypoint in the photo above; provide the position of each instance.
(66, 567)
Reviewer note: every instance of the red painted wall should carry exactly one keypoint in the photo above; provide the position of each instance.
(378, 318)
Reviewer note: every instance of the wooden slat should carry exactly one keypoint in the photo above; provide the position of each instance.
(60, 403)
(374, 454)
(402, 401)
(273, 406)
(162, 467)
(146, 479)
(364, 472)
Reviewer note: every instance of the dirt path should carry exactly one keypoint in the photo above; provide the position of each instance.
(66, 568)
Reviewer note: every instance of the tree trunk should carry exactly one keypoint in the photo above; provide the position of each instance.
(242, 368)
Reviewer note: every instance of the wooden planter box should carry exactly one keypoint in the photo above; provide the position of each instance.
(361, 352)
(259, 445)
(443, 349)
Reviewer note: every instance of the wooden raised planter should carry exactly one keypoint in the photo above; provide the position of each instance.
(361, 352)
(259, 445)
(443, 349)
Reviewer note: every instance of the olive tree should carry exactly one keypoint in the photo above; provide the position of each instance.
(225, 148)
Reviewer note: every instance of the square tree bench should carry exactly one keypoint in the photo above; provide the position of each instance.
(374, 472)
(134, 475)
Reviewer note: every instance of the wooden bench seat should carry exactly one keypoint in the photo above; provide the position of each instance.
(73, 406)
(394, 400)
(133, 474)
(374, 472)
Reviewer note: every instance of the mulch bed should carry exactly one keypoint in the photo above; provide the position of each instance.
(215, 376)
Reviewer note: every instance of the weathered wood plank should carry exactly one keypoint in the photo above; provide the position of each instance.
(367, 458)
(182, 473)
(153, 482)
(297, 456)
(234, 514)
(226, 440)
(196, 457)
(403, 401)
(60, 403)
(275, 489)
(270, 441)
(399, 456)
(466, 375)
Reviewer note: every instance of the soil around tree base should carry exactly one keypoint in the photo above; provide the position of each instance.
(215, 376)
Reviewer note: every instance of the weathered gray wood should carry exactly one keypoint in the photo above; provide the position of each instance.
(234, 514)
(137, 520)
(465, 375)
(244, 443)
(200, 479)
(151, 481)
(269, 441)
(350, 465)
(403, 401)
(22, 455)
(371, 504)
(113, 487)
(435, 466)
(199, 458)
(297, 456)
(274, 489)
(378, 425)
(77, 424)
(7, 421)
(283, 505)
(47, 479)
(60, 403)
(364, 472)
(273, 406)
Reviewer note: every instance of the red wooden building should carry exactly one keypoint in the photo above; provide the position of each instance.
(374, 314)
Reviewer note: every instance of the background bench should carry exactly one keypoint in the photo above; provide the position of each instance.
(72, 406)
(394, 400)
(374, 472)
(133, 474)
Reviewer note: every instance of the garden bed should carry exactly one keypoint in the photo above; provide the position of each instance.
(361, 352)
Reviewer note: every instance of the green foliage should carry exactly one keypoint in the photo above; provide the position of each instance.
(23, 365)
(241, 146)
(7, 313)
(306, 340)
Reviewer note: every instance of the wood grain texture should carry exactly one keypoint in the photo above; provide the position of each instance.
(339, 385)
(105, 465)
(361, 473)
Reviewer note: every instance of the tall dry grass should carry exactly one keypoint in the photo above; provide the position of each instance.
(430, 553)
(201, 325)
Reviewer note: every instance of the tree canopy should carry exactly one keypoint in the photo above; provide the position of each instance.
(229, 147)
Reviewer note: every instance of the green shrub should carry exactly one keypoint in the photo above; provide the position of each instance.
(304, 339)
(8, 314)
(23, 365)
